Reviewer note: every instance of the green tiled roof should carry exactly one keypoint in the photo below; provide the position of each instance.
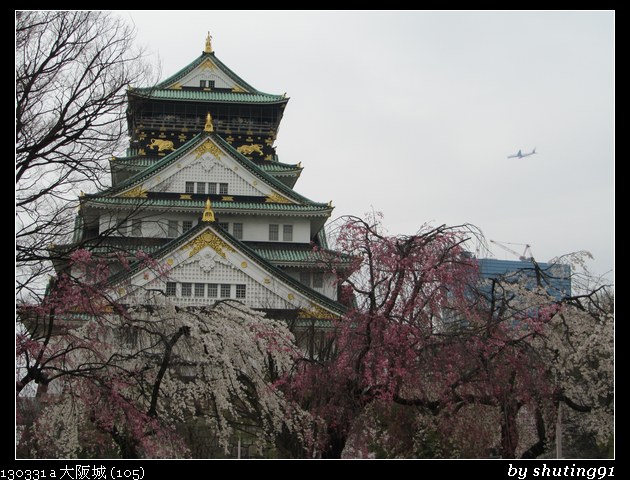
(147, 161)
(246, 250)
(142, 161)
(250, 95)
(278, 167)
(278, 254)
(183, 150)
(210, 96)
(200, 204)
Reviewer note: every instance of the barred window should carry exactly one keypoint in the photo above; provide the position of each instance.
(187, 289)
(187, 225)
(287, 233)
(237, 230)
(121, 224)
(128, 336)
(201, 187)
(136, 227)
(318, 280)
(223, 188)
(190, 187)
(172, 228)
(273, 232)
(212, 188)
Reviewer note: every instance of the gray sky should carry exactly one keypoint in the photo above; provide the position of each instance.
(413, 113)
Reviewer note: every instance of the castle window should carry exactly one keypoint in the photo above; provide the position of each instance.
(172, 228)
(223, 188)
(237, 231)
(212, 188)
(287, 233)
(202, 83)
(128, 336)
(201, 187)
(122, 225)
(273, 233)
(187, 225)
(136, 227)
(199, 290)
(318, 280)
(190, 187)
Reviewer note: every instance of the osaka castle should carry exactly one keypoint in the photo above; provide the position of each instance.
(202, 192)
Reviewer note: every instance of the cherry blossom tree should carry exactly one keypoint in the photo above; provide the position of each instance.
(402, 286)
(435, 361)
(123, 378)
(431, 361)
(579, 348)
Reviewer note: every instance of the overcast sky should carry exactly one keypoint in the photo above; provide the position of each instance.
(413, 113)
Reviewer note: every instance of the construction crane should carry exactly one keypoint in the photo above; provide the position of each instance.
(522, 258)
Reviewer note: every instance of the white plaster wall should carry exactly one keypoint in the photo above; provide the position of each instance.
(255, 227)
(220, 172)
(221, 80)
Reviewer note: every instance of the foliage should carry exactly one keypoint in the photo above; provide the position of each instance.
(579, 349)
(434, 361)
(72, 72)
(121, 377)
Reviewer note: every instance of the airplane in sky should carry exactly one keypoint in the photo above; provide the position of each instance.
(521, 155)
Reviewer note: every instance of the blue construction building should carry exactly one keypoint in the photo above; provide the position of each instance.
(555, 277)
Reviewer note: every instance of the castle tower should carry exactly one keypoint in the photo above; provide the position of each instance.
(202, 191)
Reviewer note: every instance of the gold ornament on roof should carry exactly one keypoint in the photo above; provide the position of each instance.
(161, 144)
(207, 64)
(208, 44)
(205, 147)
(275, 197)
(135, 192)
(208, 127)
(249, 149)
(208, 214)
(316, 312)
(207, 239)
